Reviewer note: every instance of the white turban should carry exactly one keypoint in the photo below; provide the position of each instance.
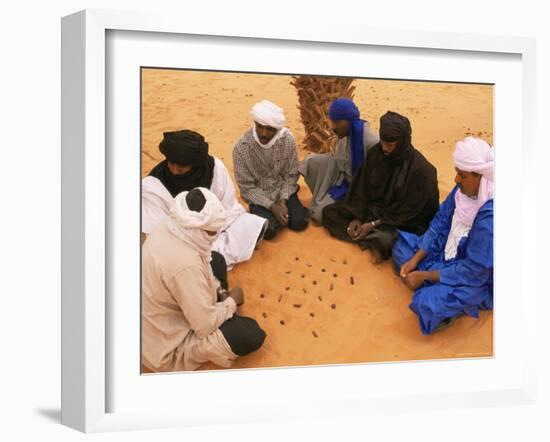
(268, 114)
(470, 155)
(191, 226)
(474, 155)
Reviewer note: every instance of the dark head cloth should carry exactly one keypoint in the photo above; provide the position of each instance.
(184, 147)
(195, 200)
(396, 127)
(343, 109)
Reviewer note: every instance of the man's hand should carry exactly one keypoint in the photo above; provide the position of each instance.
(222, 294)
(237, 294)
(280, 211)
(284, 208)
(415, 280)
(363, 231)
(408, 267)
(353, 228)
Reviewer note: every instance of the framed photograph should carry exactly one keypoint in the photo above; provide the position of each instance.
(340, 337)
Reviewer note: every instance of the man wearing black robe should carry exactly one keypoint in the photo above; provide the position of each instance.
(396, 188)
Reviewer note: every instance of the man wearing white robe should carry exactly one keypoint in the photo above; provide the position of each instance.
(241, 232)
(187, 319)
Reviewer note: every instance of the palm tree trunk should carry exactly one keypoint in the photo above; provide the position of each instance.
(315, 93)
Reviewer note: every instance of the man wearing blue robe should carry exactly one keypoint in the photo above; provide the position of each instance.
(450, 266)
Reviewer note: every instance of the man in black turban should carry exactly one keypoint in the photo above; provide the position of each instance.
(396, 188)
(187, 164)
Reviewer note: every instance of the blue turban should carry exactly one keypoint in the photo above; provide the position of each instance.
(345, 109)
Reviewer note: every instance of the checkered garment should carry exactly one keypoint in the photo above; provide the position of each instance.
(262, 183)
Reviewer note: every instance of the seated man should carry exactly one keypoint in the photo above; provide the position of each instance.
(395, 188)
(329, 175)
(186, 319)
(266, 170)
(450, 267)
(188, 165)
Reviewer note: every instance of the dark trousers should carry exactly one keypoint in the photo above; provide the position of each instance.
(379, 241)
(243, 334)
(298, 216)
(219, 269)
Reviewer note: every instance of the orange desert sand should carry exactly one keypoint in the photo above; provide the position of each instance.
(368, 321)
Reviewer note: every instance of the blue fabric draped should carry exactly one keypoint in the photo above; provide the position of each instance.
(339, 191)
(345, 109)
(465, 282)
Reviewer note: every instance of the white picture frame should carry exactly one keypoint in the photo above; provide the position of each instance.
(86, 217)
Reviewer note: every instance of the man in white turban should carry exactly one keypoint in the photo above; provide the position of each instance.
(187, 319)
(266, 170)
(450, 267)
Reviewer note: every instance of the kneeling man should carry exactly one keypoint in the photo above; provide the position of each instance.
(187, 319)
(266, 169)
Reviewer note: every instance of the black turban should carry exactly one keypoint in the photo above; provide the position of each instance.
(187, 148)
(396, 127)
(184, 147)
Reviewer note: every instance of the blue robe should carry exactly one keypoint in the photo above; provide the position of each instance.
(465, 282)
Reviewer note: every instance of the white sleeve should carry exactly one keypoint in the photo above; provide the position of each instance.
(223, 188)
(155, 204)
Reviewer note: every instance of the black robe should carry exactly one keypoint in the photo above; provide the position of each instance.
(400, 190)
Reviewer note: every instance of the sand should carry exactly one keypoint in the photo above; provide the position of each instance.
(369, 320)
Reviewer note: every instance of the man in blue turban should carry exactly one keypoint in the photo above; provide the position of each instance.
(328, 175)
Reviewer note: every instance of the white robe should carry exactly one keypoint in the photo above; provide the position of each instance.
(237, 238)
